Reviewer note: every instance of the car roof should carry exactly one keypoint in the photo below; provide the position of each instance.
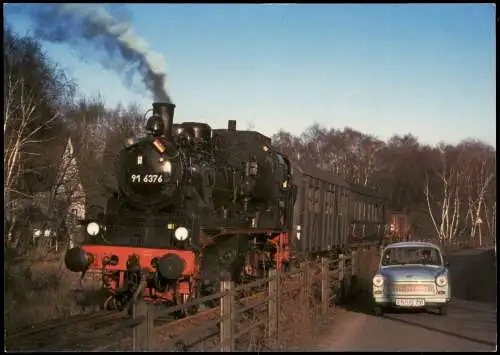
(412, 244)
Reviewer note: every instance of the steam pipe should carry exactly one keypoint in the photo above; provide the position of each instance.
(166, 111)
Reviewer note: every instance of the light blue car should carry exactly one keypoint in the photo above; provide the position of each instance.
(411, 275)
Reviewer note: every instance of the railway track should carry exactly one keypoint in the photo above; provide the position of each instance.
(108, 331)
(56, 331)
(98, 331)
(170, 331)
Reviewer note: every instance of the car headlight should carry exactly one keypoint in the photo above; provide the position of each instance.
(181, 233)
(378, 280)
(93, 228)
(441, 280)
(37, 232)
(47, 232)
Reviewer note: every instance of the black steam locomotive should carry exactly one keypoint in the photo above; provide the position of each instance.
(192, 205)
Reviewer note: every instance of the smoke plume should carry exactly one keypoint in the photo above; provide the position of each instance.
(120, 48)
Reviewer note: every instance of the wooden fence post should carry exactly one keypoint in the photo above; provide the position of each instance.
(325, 285)
(226, 322)
(341, 277)
(305, 289)
(341, 267)
(142, 332)
(354, 273)
(273, 290)
(354, 263)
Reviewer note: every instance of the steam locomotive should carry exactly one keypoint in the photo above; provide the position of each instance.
(194, 206)
(197, 205)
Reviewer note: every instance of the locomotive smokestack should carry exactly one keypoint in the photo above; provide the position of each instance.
(231, 125)
(166, 111)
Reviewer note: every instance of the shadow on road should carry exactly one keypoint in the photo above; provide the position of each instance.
(442, 331)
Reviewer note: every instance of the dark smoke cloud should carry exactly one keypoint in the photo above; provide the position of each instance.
(80, 25)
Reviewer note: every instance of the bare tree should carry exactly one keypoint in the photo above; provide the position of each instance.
(20, 133)
(481, 160)
(288, 144)
(20, 130)
(443, 197)
(459, 195)
(34, 92)
(368, 151)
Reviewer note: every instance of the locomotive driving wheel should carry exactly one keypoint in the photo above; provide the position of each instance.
(185, 298)
(194, 295)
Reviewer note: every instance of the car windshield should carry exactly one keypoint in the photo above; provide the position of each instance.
(411, 255)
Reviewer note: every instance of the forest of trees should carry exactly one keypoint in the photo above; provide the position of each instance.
(452, 187)
(449, 188)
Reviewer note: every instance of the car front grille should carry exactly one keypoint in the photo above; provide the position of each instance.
(413, 289)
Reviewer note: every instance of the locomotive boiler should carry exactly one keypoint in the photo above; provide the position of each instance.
(193, 205)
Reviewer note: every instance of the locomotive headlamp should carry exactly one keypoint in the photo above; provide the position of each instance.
(93, 229)
(166, 167)
(181, 233)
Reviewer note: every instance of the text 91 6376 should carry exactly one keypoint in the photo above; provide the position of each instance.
(147, 178)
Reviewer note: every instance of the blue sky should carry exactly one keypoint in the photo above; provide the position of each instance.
(380, 69)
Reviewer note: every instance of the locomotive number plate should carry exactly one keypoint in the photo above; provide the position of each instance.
(147, 178)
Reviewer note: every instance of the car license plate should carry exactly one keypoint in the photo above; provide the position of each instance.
(409, 302)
